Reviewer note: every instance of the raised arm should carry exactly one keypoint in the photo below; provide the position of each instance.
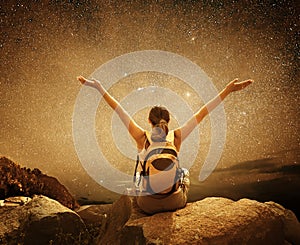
(135, 131)
(182, 132)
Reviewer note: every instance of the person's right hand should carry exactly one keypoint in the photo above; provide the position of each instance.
(84, 81)
(235, 85)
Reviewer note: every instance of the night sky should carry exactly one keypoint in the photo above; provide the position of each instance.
(46, 44)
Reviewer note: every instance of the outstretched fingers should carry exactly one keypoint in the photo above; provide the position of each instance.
(235, 85)
(91, 83)
(246, 83)
(81, 79)
(241, 85)
(233, 82)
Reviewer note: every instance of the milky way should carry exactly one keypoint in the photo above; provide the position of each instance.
(45, 45)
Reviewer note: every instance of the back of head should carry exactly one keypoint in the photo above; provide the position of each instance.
(159, 117)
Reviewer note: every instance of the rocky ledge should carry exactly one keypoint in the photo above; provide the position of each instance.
(209, 221)
(37, 219)
(42, 220)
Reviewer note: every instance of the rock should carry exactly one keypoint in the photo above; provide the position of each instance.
(55, 190)
(95, 218)
(17, 181)
(41, 221)
(120, 213)
(15, 201)
(209, 221)
(290, 221)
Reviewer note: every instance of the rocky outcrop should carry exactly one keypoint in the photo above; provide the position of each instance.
(291, 226)
(96, 218)
(17, 181)
(209, 221)
(41, 221)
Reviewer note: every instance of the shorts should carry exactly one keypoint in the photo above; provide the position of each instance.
(151, 204)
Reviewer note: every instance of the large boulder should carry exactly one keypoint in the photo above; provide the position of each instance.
(96, 218)
(41, 221)
(209, 221)
(290, 222)
(121, 211)
(104, 222)
(21, 181)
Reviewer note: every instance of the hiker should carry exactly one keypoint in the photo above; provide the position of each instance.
(153, 198)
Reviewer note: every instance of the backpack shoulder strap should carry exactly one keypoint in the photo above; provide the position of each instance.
(170, 137)
(148, 140)
(148, 136)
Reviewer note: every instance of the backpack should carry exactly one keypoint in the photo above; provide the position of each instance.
(159, 170)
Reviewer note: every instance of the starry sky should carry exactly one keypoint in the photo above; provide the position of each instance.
(46, 44)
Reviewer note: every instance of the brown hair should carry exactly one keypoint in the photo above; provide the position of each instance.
(159, 117)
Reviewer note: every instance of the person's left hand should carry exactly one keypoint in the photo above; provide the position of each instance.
(87, 82)
(234, 85)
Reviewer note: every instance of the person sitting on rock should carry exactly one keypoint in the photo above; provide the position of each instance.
(159, 117)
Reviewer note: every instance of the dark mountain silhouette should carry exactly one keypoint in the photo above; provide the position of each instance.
(267, 179)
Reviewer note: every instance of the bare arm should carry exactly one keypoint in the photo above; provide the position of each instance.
(182, 132)
(135, 131)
